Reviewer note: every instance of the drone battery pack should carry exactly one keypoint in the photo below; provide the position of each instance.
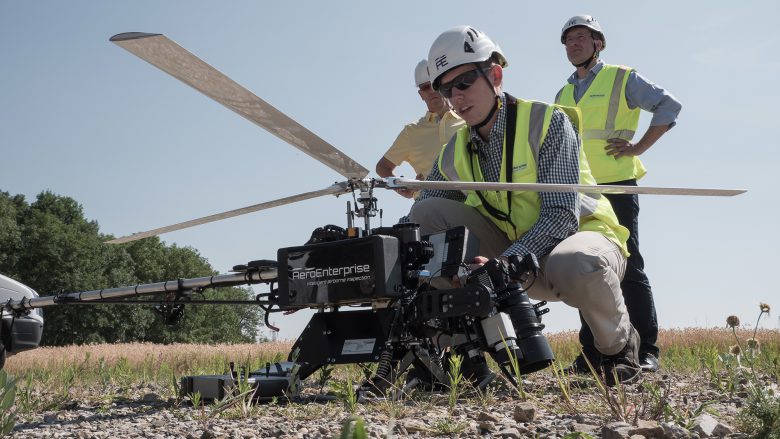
(271, 381)
(349, 271)
(210, 387)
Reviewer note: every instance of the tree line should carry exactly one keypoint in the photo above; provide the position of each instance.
(50, 246)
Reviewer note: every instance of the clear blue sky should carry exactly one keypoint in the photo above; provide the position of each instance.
(84, 118)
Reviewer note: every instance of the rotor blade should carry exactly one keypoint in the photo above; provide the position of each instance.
(173, 59)
(336, 188)
(396, 182)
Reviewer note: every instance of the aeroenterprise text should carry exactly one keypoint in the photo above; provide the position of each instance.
(333, 275)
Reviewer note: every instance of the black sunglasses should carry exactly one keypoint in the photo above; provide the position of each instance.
(461, 82)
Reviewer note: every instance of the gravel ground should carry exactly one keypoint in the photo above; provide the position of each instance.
(499, 413)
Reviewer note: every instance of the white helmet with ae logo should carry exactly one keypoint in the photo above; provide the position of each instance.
(458, 46)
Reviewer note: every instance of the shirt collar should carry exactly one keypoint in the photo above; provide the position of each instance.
(592, 73)
(433, 117)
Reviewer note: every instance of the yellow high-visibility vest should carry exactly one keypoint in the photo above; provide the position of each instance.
(605, 115)
(458, 163)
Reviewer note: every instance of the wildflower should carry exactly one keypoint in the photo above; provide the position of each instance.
(754, 345)
(735, 350)
(732, 321)
(764, 307)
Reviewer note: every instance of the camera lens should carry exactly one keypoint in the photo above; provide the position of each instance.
(535, 351)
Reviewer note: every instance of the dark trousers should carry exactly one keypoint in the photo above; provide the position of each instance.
(635, 286)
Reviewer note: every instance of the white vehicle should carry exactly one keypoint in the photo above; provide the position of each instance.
(18, 332)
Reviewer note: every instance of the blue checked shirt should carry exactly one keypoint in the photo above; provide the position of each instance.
(558, 163)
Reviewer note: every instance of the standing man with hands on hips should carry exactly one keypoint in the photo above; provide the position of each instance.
(610, 98)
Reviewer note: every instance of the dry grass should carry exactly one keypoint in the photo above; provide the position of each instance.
(672, 342)
(179, 357)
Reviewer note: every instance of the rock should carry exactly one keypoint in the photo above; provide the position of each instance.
(616, 430)
(486, 425)
(485, 416)
(584, 428)
(647, 429)
(522, 429)
(509, 433)
(674, 431)
(722, 430)
(704, 425)
(524, 412)
(151, 397)
(415, 427)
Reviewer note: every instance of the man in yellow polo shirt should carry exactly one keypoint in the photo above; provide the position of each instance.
(419, 143)
(610, 98)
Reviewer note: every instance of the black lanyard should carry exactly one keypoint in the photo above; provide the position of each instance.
(509, 140)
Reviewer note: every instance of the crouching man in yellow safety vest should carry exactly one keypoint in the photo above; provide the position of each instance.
(577, 238)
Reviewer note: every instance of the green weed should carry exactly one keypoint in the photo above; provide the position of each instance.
(7, 398)
(345, 391)
(564, 385)
(515, 363)
(761, 414)
(455, 377)
(353, 428)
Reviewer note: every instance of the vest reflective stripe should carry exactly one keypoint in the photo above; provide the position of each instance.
(614, 99)
(533, 121)
(447, 158)
(588, 204)
(536, 125)
(606, 116)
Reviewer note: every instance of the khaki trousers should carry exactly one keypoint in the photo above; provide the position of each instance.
(583, 271)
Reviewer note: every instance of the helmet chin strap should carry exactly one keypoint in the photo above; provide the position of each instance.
(496, 104)
(591, 58)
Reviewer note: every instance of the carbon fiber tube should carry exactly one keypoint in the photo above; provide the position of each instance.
(171, 286)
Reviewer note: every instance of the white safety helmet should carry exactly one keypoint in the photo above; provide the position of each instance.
(458, 46)
(584, 21)
(421, 73)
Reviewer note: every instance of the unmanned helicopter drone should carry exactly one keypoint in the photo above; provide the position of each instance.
(379, 267)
